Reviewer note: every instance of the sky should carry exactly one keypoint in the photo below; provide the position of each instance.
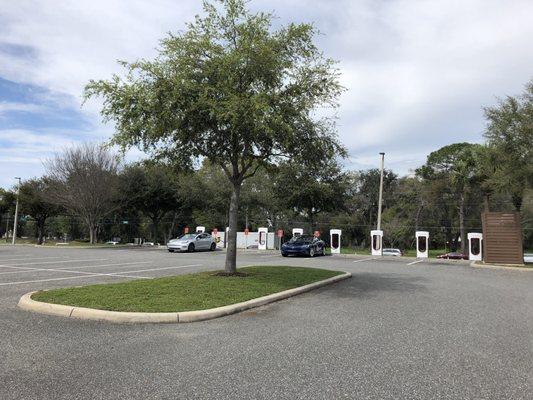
(417, 73)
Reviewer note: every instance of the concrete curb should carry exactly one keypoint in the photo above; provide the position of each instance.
(477, 264)
(26, 303)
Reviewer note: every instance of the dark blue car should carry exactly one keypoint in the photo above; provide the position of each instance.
(304, 245)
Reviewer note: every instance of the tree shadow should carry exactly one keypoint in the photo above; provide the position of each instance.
(366, 284)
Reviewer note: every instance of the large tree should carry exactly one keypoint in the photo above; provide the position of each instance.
(510, 138)
(83, 179)
(311, 191)
(454, 168)
(230, 89)
(151, 189)
(34, 201)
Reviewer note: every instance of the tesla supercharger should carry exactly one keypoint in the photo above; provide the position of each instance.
(262, 240)
(200, 229)
(335, 240)
(377, 243)
(297, 231)
(475, 242)
(422, 244)
(226, 237)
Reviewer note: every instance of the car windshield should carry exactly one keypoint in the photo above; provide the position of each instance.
(302, 239)
(188, 236)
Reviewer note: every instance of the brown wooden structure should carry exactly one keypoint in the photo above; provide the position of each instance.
(502, 238)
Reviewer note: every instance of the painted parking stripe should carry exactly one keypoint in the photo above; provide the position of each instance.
(67, 270)
(415, 262)
(21, 270)
(364, 259)
(27, 259)
(161, 269)
(91, 275)
(106, 265)
(54, 262)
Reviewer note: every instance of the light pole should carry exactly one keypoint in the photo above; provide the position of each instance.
(16, 213)
(380, 190)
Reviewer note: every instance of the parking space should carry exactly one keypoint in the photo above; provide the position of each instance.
(400, 328)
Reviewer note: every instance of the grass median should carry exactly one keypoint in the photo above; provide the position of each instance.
(199, 291)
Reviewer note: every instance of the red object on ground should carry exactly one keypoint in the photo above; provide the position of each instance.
(317, 233)
(280, 232)
(246, 231)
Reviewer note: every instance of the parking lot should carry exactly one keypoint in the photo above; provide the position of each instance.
(400, 328)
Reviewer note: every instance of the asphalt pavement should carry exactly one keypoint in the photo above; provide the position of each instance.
(398, 329)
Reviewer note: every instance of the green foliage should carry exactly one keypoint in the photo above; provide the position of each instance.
(229, 89)
(232, 90)
(510, 138)
(34, 201)
(191, 292)
(310, 191)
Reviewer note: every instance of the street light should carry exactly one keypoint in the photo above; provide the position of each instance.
(16, 213)
(380, 190)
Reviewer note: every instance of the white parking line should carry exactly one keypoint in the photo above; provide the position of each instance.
(163, 268)
(30, 269)
(93, 274)
(364, 259)
(107, 265)
(415, 262)
(55, 262)
(77, 272)
(26, 259)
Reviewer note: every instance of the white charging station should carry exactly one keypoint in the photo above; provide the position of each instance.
(262, 240)
(200, 229)
(297, 231)
(226, 237)
(422, 244)
(475, 246)
(377, 242)
(335, 240)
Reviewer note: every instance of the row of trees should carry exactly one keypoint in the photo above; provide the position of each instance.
(253, 104)
(88, 193)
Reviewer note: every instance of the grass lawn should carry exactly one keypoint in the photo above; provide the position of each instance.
(190, 292)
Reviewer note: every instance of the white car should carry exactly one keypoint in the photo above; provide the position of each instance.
(392, 252)
(192, 242)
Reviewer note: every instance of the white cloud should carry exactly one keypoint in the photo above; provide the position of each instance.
(8, 106)
(417, 72)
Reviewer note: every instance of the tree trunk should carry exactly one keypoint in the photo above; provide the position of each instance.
(486, 202)
(93, 234)
(462, 229)
(155, 229)
(517, 201)
(231, 254)
(40, 231)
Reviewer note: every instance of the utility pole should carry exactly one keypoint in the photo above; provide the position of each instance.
(380, 191)
(16, 214)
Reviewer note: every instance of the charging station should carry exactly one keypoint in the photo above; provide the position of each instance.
(297, 231)
(262, 240)
(475, 246)
(422, 244)
(335, 240)
(200, 229)
(377, 242)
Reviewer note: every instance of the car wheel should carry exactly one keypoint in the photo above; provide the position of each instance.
(311, 252)
(284, 255)
(213, 246)
(190, 249)
(170, 251)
